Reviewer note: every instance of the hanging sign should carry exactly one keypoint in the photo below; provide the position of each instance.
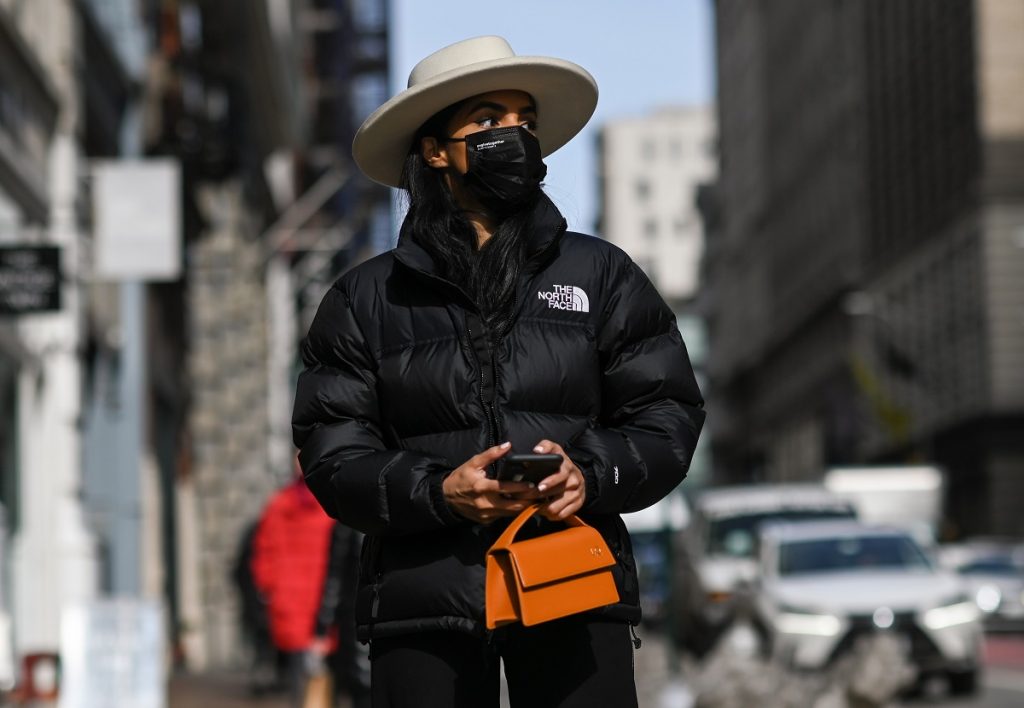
(137, 220)
(29, 279)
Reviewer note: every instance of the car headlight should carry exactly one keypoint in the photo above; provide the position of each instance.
(960, 612)
(988, 598)
(792, 621)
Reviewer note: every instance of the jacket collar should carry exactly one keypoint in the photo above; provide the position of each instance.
(548, 227)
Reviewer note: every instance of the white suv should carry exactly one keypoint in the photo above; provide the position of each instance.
(824, 584)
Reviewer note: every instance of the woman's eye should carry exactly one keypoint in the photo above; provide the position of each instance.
(487, 122)
(530, 125)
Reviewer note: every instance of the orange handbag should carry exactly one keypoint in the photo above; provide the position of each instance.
(551, 576)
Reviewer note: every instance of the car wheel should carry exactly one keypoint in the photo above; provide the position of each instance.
(963, 683)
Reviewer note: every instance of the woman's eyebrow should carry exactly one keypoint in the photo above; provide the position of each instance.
(528, 108)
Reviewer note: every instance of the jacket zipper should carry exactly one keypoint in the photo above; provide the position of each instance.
(535, 265)
(373, 569)
(375, 606)
(537, 260)
(486, 401)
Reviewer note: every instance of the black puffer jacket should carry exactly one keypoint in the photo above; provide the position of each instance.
(400, 387)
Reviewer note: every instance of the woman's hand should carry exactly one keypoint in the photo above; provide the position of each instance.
(565, 490)
(470, 493)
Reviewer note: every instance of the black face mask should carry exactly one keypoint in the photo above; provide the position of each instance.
(505, 167)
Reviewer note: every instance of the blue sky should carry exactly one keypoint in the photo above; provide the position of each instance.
(643, 53)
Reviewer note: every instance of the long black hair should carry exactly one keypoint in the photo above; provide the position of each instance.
(489, 274)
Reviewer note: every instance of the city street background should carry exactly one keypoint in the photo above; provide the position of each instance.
(829, 196)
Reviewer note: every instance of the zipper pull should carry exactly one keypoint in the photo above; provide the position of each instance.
(636, 639)
(375, 605)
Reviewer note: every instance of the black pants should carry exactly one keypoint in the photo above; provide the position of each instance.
(577, 661)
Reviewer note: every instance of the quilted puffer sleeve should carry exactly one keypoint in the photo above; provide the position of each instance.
(652, 410)
(336, 426)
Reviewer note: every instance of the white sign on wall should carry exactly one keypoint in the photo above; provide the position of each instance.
(112, 655)
(137, 219)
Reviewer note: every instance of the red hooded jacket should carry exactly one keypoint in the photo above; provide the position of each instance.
(289, 563)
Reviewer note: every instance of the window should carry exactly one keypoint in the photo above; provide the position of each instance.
(827, 555)
(369, 15)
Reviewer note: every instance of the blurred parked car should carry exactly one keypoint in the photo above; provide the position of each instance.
(724, 531)
(824, 585)
(993, 571)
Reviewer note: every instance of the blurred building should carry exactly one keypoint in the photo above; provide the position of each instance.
(47, 128)
(650, 170)
(865, 248)
(78, 447)
(145, 420)
(260, 100)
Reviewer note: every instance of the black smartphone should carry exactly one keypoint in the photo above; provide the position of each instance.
(528, 467)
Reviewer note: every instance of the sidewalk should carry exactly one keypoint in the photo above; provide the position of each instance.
(658, 683)
(655, 685)
(223, 690)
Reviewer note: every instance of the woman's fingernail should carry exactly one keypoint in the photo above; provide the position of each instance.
(505, 445)
(538, 449)
(542, 487)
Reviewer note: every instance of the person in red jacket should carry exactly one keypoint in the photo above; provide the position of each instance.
(290, 559)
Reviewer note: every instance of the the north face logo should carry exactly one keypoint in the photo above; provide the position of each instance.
(566, 297)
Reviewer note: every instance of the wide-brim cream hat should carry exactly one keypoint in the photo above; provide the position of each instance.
(565, 95)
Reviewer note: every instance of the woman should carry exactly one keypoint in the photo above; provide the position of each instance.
(489, 329)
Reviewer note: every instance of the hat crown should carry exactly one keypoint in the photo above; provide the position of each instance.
(459, 55)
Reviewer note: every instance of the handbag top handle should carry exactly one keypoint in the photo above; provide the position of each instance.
(509, 534)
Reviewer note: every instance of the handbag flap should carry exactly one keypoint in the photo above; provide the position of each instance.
(564, 554)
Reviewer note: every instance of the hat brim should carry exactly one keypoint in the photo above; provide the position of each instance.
(565, 94)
